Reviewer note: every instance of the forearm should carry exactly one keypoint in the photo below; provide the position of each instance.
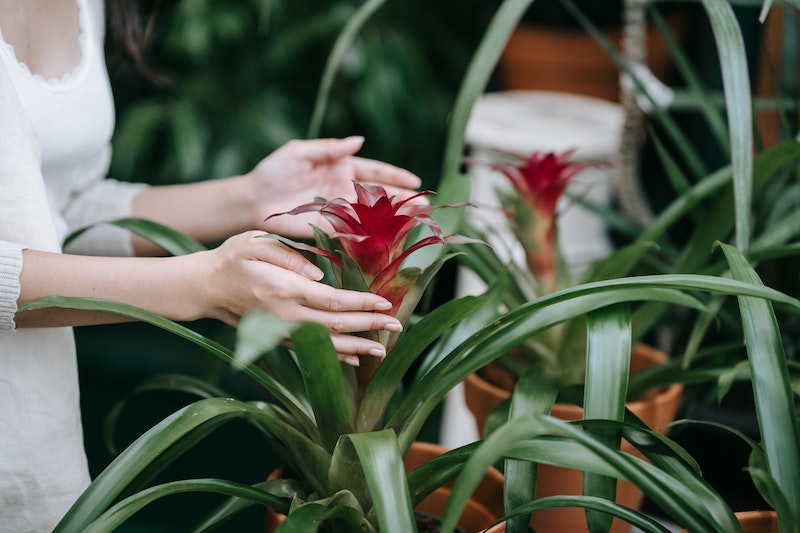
(165, 286)
(208, 211)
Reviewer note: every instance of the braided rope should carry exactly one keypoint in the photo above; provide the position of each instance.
(627, 185)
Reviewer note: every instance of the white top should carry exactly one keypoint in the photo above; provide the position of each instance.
(54, 153)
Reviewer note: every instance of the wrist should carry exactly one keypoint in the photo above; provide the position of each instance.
(242, 202)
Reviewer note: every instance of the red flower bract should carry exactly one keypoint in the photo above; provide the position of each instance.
(373, 231)
(542, 178)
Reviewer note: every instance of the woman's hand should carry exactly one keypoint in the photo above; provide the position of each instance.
(249, 271)
(301, 171)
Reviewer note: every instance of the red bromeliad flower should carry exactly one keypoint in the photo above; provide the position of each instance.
(540, 181)
(369, 243)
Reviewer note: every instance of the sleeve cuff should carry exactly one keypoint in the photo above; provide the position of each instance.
(10, 269)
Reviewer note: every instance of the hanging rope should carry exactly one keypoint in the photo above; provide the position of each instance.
(627, 185)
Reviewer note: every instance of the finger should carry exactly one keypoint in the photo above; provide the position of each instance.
(348, 322)
(278, 254)
(329, 299)
(349, 347)
(370, 170)
(323, 150)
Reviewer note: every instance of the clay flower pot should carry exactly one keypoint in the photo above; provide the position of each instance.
(756, 521)
(580, 65)
(482, 510)
(656, 409)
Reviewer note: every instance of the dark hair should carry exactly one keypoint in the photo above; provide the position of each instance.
(130, 25)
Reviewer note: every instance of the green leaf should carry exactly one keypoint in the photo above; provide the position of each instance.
(343, 43)
(775, 406)
(534, 394)
(383, 467)
(454, 186)
(259, 332)
(693, 505)
(390, 373)
(259, 376)
(608, 362)
(260, 493)
(311, 517)
(534, 317)
(736, 80)
(194, 421)
(608, 508)
(324, 384)
(281, 488)
(171, 240)
(170, 382)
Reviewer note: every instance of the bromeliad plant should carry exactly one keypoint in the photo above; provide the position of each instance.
(369, 244)
(367, 250)
(538, 182)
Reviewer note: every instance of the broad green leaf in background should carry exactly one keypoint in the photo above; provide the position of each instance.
(736, 80)
(343, 42)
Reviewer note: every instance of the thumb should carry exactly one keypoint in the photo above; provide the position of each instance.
(322, 150)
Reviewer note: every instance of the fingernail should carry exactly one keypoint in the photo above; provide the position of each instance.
(393, 326)
(355, 139)
(352, 360)
(312, 272)
(377, 352)
(383, 305)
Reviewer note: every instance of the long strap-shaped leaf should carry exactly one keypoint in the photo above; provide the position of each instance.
(736, 81)
(324, 383)
(171, 240)
(280, 392)
(525, 321)
(338, 52)
(534, 394)
(608, 357)
(179, 430)
(122, 511)
(383, 385)
(775, 407)
(454, 186)
(697, 510)
(386, 477)
(598, 505)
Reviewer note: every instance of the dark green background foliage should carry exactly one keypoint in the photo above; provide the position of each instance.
(244, 76)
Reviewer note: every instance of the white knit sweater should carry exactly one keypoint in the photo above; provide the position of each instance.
(43, 196)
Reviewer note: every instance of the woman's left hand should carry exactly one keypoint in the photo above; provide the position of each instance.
(302, 171)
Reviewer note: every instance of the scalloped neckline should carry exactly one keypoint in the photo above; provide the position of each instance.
(69, 76)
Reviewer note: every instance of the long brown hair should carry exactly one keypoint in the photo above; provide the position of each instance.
(130, 27)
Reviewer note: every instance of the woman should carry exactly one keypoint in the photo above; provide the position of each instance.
(56, 119)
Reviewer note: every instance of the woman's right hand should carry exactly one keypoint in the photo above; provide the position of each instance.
(249, 271)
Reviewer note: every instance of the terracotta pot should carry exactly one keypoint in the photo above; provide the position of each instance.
(756, 521)
(570, 60)
(483, 509)
(656, 409)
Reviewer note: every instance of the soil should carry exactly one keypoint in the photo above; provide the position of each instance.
(427, 523)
